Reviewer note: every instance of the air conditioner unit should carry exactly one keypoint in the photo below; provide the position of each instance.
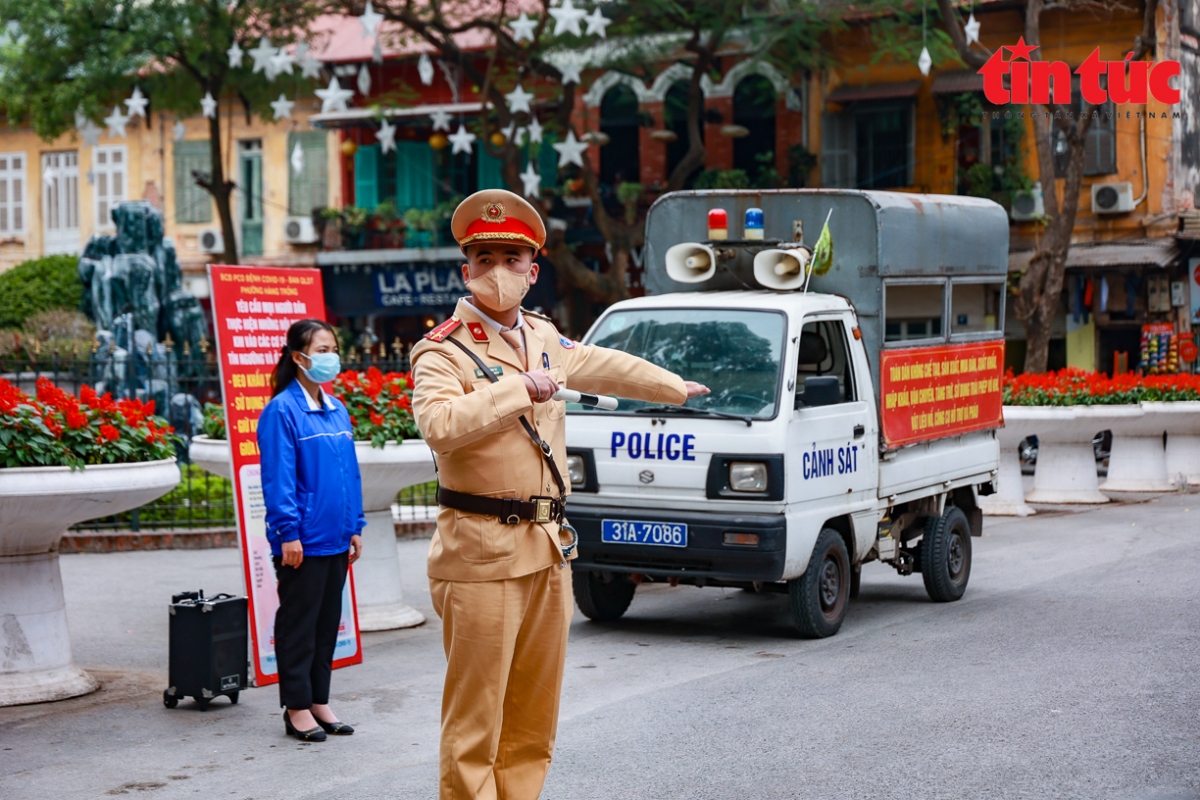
(1028, 205)
(299, 230)
(1112, 198)
(211, 241)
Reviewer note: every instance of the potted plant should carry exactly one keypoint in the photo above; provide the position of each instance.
(390, 224)
(354, 227)
(391, 456)
(63, 460)
(422, 225)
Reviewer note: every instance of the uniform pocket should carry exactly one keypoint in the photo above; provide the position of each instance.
(483, 540)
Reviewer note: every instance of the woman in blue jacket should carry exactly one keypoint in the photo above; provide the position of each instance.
(313, 494)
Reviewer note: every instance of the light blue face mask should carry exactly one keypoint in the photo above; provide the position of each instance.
(323, 368)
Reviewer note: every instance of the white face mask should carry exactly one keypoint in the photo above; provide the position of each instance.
(499, 288)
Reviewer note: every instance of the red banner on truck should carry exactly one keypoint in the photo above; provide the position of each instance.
(253, 308)
(928, 393)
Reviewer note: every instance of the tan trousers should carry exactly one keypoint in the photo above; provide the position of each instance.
(505, 642)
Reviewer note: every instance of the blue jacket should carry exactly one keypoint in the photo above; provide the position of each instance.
(311, 484)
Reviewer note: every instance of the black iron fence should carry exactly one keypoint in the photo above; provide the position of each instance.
(180, 384)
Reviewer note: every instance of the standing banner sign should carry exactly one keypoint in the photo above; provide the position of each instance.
(253, 307)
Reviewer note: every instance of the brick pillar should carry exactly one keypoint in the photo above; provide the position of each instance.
(719, 148)
(653, 152)
(789, 131)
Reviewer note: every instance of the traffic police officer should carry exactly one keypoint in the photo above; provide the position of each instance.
(482, 396)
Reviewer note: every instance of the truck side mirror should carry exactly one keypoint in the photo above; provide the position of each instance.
(821, 390)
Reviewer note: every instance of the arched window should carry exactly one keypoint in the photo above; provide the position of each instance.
(675, 119)
(620, 119)
(754, 108)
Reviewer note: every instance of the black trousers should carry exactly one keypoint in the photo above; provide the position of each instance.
(306, 627)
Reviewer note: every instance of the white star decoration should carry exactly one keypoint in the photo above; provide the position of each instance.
(462, 139)
(116, 123)
(596, 23)
(282, 107)
(334, 97)
(441, 119)
(179, 130)
(377, 52)
(567, 18)
(971, 29)
(535, 130)
(370, 20)
(425, 68)
(262, 56)
(235, 54)
(531, 181)
(207, 105)
(90, 133)
(297, 159)
(571, 151)
(522, 27)
(137, 104)
(518, 99)
(925, 61)
(282, 62)
(386, 136)
(570, 71)
(364, 80)
(309, 66)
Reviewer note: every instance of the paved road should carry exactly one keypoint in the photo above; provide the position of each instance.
(1068, 671)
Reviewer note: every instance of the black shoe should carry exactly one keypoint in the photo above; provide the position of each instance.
(313, 735)
(336, 728)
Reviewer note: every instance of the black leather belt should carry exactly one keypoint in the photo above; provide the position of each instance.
(509, 510)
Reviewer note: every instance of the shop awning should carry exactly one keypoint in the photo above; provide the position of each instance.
(957, 82)
(1142, 253)
(874, 91)
(360, 116)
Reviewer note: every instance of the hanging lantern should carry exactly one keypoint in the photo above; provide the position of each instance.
(734, 131)
(497, 139)
(664, 135)
(349, 148)
(439, 141)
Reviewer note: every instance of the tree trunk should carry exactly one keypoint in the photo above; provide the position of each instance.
(220, 188)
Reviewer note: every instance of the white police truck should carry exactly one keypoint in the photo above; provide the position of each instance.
(852, 414)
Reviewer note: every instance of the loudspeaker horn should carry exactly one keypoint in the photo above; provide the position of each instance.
(782, 270)
(691, 262)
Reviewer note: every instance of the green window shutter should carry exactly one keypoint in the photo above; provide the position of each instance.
(415, 176)
(488, 169)
(192, 203)
(309, 189)
(366, 177)
(547, 161)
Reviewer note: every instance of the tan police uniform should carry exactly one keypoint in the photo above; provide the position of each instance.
(502, 588)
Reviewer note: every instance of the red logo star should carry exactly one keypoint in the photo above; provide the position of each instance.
(1021, 50)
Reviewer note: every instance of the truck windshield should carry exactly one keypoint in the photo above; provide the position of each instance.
(735, 353)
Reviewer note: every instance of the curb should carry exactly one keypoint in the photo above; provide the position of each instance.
(130, 541)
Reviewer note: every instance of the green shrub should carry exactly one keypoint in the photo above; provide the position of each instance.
(200, 500)
(38, 285)
(723, 179)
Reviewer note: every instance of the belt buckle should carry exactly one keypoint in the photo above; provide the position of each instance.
(543, 511)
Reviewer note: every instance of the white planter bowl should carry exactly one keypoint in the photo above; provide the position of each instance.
(37, 505)
(377, 583)
(1066, 465)
(1009, 499)
(1181, 421)
(385, 472)
(1138, 462)
(211, 455)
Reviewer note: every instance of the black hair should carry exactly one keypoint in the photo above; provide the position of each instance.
(299, 336)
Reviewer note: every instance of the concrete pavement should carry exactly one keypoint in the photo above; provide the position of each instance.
(1068, 670)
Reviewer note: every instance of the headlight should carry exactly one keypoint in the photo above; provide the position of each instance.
(576, 471)
(748, 476)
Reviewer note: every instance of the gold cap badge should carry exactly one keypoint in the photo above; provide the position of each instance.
(494, 212)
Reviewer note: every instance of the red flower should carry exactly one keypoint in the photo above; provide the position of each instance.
(109, 433)
(76, 419)
(376, 418)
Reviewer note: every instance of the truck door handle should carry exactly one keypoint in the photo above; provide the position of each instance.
(859, 430)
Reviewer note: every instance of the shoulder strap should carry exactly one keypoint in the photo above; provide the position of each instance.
(445, 329)
(537, 440)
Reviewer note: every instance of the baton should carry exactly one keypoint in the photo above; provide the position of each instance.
(583, 398)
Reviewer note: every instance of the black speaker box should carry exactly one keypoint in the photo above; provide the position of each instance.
(208, 649)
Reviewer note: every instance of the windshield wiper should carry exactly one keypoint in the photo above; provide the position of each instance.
(689, 410)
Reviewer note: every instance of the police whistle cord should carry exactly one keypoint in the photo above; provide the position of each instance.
(583, 398)
(558, 510)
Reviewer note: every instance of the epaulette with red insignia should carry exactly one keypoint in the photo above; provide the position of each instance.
(445, 329)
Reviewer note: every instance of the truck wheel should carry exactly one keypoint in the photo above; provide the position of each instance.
(599, 599)
(946, 555)
(819, 597)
